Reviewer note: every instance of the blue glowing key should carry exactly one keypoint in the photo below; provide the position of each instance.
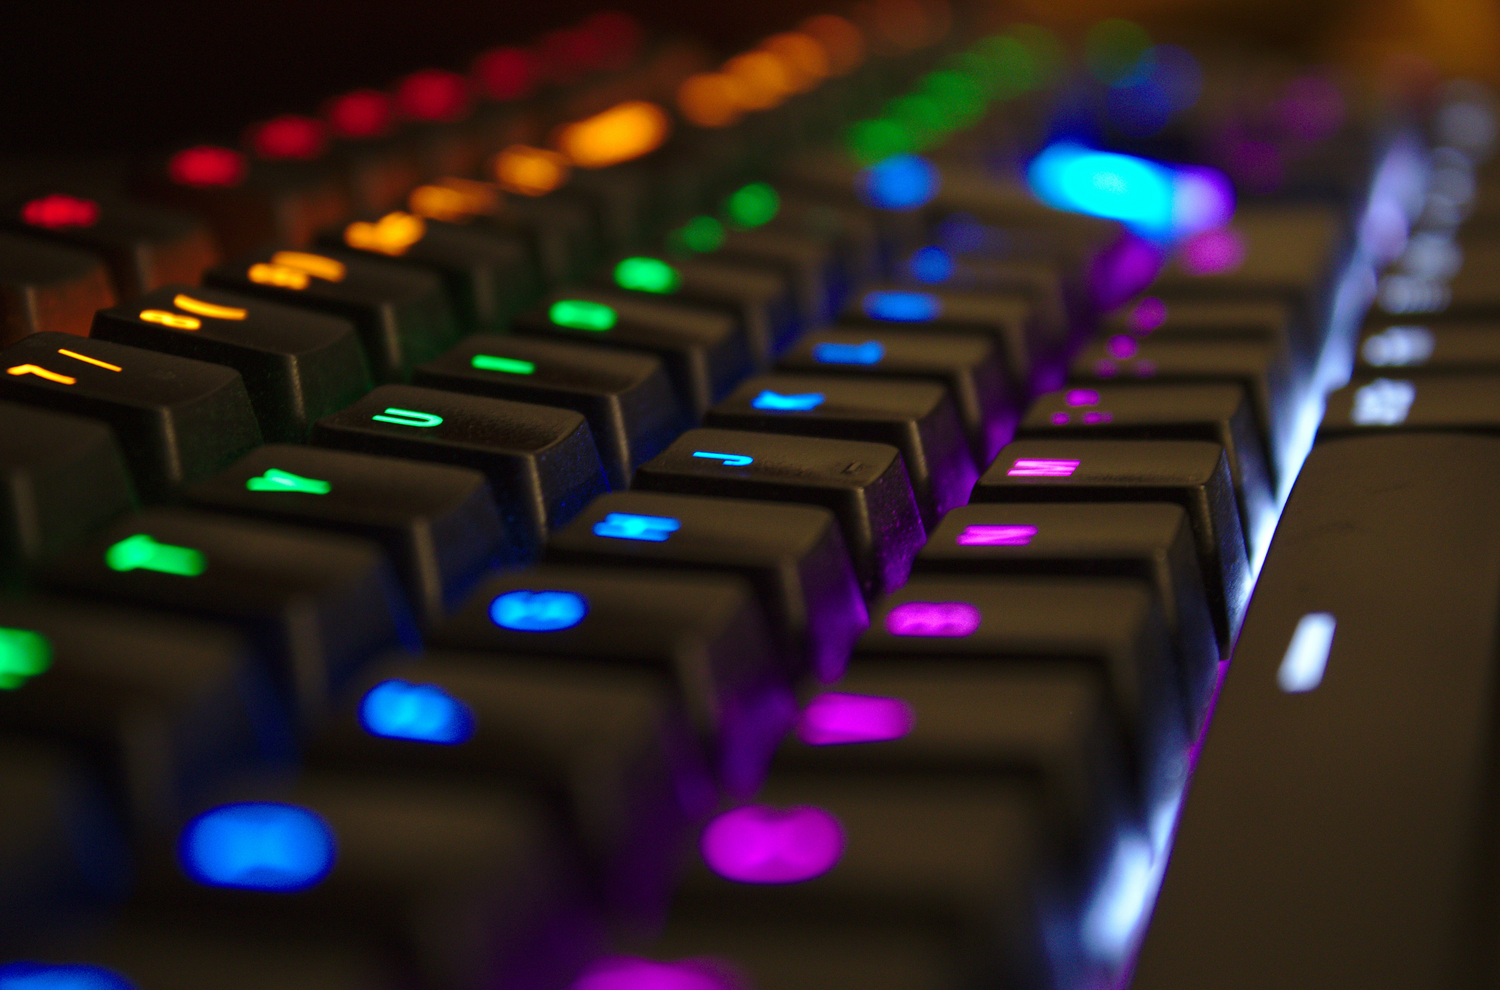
(787, 403)
(901, 182)
(40, 976)
(629, 526)
(870, 352)
(931, 264)
(902, 307)
(730, 460)
(418, 712)
(258, 846)
(538, 611)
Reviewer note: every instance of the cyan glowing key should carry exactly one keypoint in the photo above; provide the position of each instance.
(835, 719)
(629, 526)
(581, 314)
(902, 307)
(275, 480)
(647, 275)
(870, 352)
(730, 460)
(901, 182)
(538, 611)
(996, 536)
(760, 844)
(787, 403)
(23, 655)
(1155, 200)
(931, 264)
(41, 976)
(141, 552)
(408, 417)
(418, 712)
(951, 619)
(258, 846)
(510, 366)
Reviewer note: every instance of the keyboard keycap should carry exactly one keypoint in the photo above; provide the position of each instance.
(401, 313)
(794, 555)
(177, 419)
(540, 461)
(864, 484)
(48, 287)
(1422, 402)
(297, 365)
(1415, 345)
(439, 524)
(808, 264)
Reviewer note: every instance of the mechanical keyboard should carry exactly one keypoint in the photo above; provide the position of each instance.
(620, 515)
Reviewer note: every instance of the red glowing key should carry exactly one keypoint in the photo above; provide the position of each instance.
(59, 210)
(364, 113)
(506, 73)
(207, 165)
(433, 95)
(289, 137)
(618, 37)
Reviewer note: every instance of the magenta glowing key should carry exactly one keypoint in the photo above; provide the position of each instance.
(1121, 346)
(1027, 467)
(833, 719)
(1083, 397)
(761, 844)
(996, 536)
(1094, 418)
(1148, 314)
(951, 619)
(1060, 419)
(1213, 251)
(629, 973)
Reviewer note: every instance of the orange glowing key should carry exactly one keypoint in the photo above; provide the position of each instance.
(211, 310)
(763, 80)
(392, 234)
(88, 360)
(40, 372)
(625, 131)
(530, 171)
(709, 99)
(175, 320)
(454, 200)
(843, 43)
(802, 55)
(328, 269)
(280, 276)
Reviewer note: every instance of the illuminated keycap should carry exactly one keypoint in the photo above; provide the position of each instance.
(407, 417)
(931, 264)
(392, 234)
(1151, 198)
(364, 113)
(730, 460)
(1082, 397)
(40, 372)
(317, 265)
(834, 718)
(580, 314)
(418, 712)
(1307, 654)
(284, 481)
(258, 846)
(1042, 468)
(902, 307)
(933, 619)
(89, 360)
(42, 976)
(277, 275)
(512, 366)
(647, 275)
(208, 309)
(23, 655)
(996, 536)
(787, 403)
(760, 844)
(901, 182)
(625, 131)
(1395, 346)
(290, 137)
(752, 206)
(1383, 402)
(698, 236)
(530, 171)
(141, 552)
(629, 526)
(59, 210)
(869, 352)
(538, 611)
(206, 166)
(177, 321)
(628, 973)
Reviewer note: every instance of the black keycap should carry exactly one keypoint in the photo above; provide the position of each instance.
(439, 524)
(808, 264)
(853, 233)
(917, 418)
(1174, 316)
(1422, 402)
(1051, 287)
(63, 475)
(401, 313)
(1220, 414)
(488, 275)
(377, 169)
(621, 199)
(48, 287)
(297, 365)
(317, 605)
(176, 419)
(1338, 811)
(540, 460)
(564, 229)
(1416, 346)
(557, 233)
(865, 484)
(144, 246)
(969, 364)
(1191, 474)
(166, 709)
(627, 397)
(794, 555)
(704, 635)
(760, 299)
(607, 748)
(1150, 541)
(704, 350)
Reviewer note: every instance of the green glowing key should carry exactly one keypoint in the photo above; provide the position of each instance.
(23, 655)
(513, 366)
(142, 552)
(647, 275)
(580, 314)
(407, 417)
(752, 205)
(698, 236)
(275, 480)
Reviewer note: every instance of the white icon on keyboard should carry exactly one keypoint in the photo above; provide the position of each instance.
(1399, 346)
(1383, 402)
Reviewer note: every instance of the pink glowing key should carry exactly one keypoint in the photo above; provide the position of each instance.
(629, 973)
(761, 844)
(833, 719)
(996, 536)
(1027, 467)
(1083, 397)
(1121, 346)
(1147, 315)
(1213, 251)
(1094, 418)
(933, 619)
(1060, 419)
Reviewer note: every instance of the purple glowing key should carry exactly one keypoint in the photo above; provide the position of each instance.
(1083, 397)
(1060, 418)
(833, 719)
(1122, 347)
(629, 973)
(1147, 315)
(1091, 418)
(761, 844)
(933, 619)
(1213, 251)
(1029, 467)
(996, 536)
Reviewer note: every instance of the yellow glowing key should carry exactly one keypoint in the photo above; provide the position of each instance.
(313, 264)
(530, 171)
(176, 321)
(40, 372)
(454, 200)
(211, 310)
(278, 275)
(709, 99)
(392, 234)
(624, 131)
(88, 360)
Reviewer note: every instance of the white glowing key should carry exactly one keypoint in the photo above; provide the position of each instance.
(1383, 402)
(1307, 654)
(1395, 346)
